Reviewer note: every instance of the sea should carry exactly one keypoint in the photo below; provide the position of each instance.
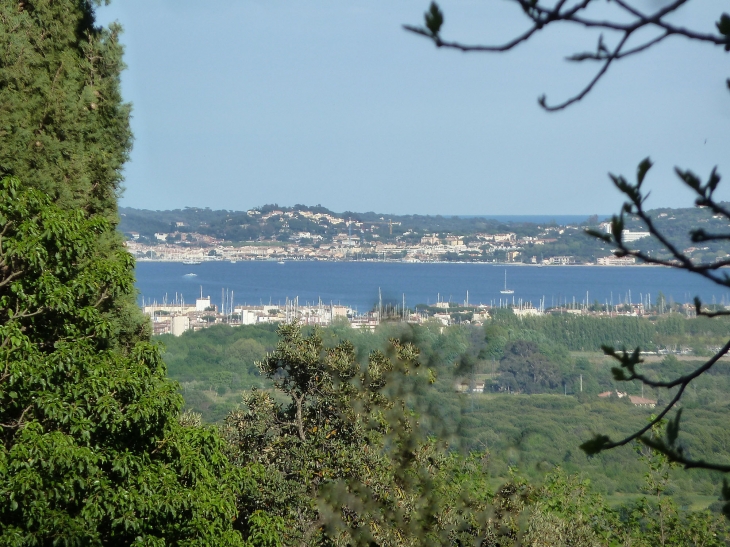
(359, 285)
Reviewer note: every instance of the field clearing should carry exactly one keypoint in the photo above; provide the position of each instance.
(598, 356)
(698, 502)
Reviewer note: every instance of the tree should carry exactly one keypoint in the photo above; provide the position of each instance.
(336, 453)
(91, 450)
(628, 21)
(524, 368)
(65, 129)
(650, 28)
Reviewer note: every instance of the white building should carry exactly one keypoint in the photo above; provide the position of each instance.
(526, 311)
(628, 236)
(616, 261)
(562, 260)
(202, 303)
(180, 323)
(248, 317)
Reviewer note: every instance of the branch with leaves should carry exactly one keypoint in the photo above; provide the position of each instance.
(632, 31)
(629, 361)
(628, 23)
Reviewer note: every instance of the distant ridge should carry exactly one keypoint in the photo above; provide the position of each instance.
(538, 219)
(316, 231)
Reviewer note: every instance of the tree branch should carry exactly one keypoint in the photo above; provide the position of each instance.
(541, 16)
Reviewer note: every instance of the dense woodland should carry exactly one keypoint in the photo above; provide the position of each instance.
(532, 414)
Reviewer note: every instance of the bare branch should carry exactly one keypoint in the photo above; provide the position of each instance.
(9, 278)
(607, 444)
(677, 456)
(682, 381)
(593, 82)
(541, 16)
(468, 48)
(19, 422)
(104, 295)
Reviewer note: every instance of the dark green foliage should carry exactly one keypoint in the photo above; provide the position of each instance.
(341, 460)
(524, 368)
(215, 365)
(434, 19)
(581, 333)
(92, 451)
(64, 127)
(532, 432)
(317, 438)
(65, 130)
(322, 468)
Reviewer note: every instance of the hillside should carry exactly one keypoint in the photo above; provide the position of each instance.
(316, 232)
(533, 426)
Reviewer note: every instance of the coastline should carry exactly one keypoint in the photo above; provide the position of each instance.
(396, 261)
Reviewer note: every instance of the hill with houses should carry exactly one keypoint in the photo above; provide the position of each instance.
(303, 232)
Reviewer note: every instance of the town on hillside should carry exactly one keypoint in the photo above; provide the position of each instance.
(300, 233)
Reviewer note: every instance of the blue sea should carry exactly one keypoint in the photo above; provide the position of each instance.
(356, 284)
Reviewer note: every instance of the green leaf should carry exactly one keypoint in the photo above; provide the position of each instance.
(673, 428)
(723, 25)
(595, 445)
(434, 19)
(642, 170)
(618, 374)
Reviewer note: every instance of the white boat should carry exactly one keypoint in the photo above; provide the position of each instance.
(190, 275)
(506, 290)
(191, 261)
(280, 262)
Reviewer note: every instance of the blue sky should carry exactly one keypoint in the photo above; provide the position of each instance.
(239, 103)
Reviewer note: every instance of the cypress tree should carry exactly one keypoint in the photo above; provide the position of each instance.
(92, 447)
(65, 129)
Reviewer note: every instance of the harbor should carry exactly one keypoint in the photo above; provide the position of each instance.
(364, 294)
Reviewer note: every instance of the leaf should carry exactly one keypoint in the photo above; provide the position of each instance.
(673, 428)
(595, 445)
(689, 178)
(723, 25)
(434, 19)
(642, 170)
(598, 235)
(618, 374)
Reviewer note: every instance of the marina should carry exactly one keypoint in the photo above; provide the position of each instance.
(356, 284)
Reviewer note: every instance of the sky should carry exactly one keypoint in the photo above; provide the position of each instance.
(241, 103)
